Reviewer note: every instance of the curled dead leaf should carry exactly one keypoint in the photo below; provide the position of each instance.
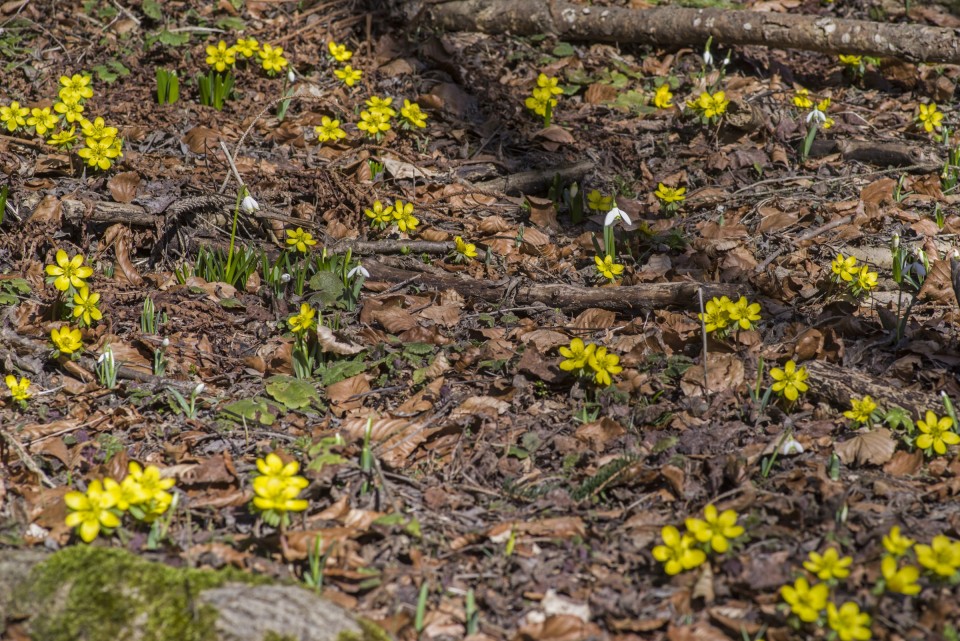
(330, 344)
(874, 447)
(123, 186)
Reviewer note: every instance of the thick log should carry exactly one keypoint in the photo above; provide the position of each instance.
(678, 26)
(629, 299)
(104, 594)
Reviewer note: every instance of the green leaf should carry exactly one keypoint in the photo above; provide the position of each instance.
(105, 74)
(230, 303)
(152, 9)
(418, 349)
(254, 409)
(339, 370)
(563, 49)
(327, 288)
(632, 101)
(231, 23)
(294, 393)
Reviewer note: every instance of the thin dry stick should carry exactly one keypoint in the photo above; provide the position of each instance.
(703, 326)
(26, 459)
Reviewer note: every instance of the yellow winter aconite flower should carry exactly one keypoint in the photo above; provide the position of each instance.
(709, 105)
(577, 355)
(348, 75)
(789, 381)
(900, 580)
(464, 250)
(19, 389)
(716, 316)
(99, 153)
(14, 116)
(340, 53)
(271, 59)
(68, 272)
(667, 195)
(72, 110)
(63, 138)
(66, 340)
(662, 98)
(304, 321)
(539, 101)
(716, 528)
(851, 61)
(678, 552)
(42, 120)
(91, 511)
(861, 410)
(403, 216)
(277, 488)
(381, 105)
(822, 107)
(936, 433)
(844, 268)
(930, 117)
(300, 240)
(98, 129)
(85, 306)
(604, 366)
(607, 268)
(866, 280)
(144, 492)
(802, 99)
(829, 565)
(598, 202)
(373, 123)
(942, 556)
(848, 622)
(743, 313)
(77, 86)
(221, 57)
(806, 601)
(380, 216)
(412, 114)
(896, 544)
(549, 84)
(247, 47)
(329, 129)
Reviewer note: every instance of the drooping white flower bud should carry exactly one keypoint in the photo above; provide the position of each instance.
(166, 343)
(791, 446)
(199, 389)
(291, 77)
(818, 116)
(359, 269)
(614, 215)
(285, 278)
(707, 57)
(250, 205)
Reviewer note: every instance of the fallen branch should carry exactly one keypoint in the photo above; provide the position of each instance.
(627, 299)
(678, 26)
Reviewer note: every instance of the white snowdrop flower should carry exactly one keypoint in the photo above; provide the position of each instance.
(250, 205)
(291, 77)
(817, 115)
(895, 241)
(707, 57)
(199, 388)
(285, 278)
(614, 215)
(107, 355)
(165, 343)
(359, 269)
(726, 60)
(791, 446)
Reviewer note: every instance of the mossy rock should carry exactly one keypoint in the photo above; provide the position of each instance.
(86, 593)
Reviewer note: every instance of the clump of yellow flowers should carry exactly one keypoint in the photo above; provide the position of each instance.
(722, 315)
(709, 107)
(713, 533)
(590, 361)
(542, 100)
(69, 275)
(142, 493)
(19, 389)
(670, 197)
(277, 489)
(858, 279)
(399, 214)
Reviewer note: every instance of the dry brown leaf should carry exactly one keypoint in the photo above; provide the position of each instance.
(123, 186)
(396, 439)
(874, 447)
(703, 588)
(394, 319)
(47, 210)
(329, 343)
(492, 225)
(599, 434)
(558, 627)
(904, 463)
(598, 93)
(543, 212)
(201, 140)
(486, 405)
(724, 371)
(344, 395)
(296, 544)
(556, 133)
(120, 236)
(595, 318)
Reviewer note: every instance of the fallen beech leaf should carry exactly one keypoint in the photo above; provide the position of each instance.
(47, 211)
(599, 433)
(553, 603)
(874, 447)
(703, 588)
(595, 318)
(555, 133)
(724, 371)
(329, 343)
(119, 235)
(201, 140)
(123, 186)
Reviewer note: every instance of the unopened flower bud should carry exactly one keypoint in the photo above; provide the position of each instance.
(250, 205)
(199, 388)
(285, 278)
(291, 77)
(165, 343)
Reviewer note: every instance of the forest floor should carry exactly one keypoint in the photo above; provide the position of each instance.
(462, 479)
